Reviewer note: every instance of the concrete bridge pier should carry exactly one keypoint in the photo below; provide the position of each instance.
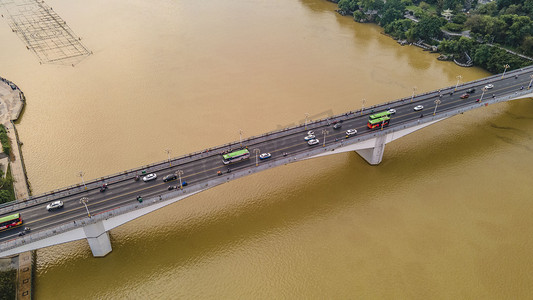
(374, 155)
(98, 239)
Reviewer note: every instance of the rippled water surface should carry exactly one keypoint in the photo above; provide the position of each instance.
(447, 214)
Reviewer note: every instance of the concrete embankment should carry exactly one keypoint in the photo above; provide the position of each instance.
(12, 102)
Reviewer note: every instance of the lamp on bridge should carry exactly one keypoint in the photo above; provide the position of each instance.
(256, 151)
(505, 67)
(458, 79)
(168, 153)
(437, 102)
(82, 181)
(530, 82)
(484, 89)
(325, 132)
(412, 96)
(363, 106)
(240, 136)
(180, 172)
(84, 200)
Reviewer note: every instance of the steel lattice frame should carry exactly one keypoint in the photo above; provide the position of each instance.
(43, 31)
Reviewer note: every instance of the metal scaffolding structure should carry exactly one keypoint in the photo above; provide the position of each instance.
(44, 32)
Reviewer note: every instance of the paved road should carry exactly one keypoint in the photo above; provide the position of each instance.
(124, 192)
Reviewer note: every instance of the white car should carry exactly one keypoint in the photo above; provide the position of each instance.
(151, 176)
(264, 156)
(309, 137)
(351, 132)
(310, 132)
(54, 205)
(489, 86)
(392, 111)
(313, 142)
(419, 107)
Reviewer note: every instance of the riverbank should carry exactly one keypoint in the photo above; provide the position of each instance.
(12, 103)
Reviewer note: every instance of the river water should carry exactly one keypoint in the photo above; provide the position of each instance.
(447, 214)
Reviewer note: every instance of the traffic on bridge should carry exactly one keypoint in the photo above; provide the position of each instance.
(76, 203)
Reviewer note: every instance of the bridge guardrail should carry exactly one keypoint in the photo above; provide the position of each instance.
(250, 141)
(298, 156)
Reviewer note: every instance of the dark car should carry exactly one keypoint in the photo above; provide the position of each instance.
(471, 91)
(464, 96)
(170, 177)
(337, 126)
(103, 188)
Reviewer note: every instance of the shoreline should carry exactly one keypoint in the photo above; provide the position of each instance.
(12, 102)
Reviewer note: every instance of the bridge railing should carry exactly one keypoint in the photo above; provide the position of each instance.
(250, 142)
(295, 156)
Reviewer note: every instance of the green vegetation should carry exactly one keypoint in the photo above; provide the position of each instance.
(490, 27)
(4, 139)
(6, 187)
(8, 284)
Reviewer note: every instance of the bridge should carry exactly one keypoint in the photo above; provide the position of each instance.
(99, 212)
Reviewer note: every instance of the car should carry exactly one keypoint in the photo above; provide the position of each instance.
(489, 86)
(310, 132)
(151, 176)
(464, 96)
(419, 107)
(337, 126)
(264, 156)
(471, 91)
(313, 142)
(172, 187)
(170, 177)
(55, 205)
(309, 137)
(351, 132)
(392, 111)
(184, 183)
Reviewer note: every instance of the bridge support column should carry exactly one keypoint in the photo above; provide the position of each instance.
(98, 239)
(374, 155)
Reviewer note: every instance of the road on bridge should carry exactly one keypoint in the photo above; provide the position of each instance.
(198, 171)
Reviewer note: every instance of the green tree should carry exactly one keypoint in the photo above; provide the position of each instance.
(482, 55)
(390, 15)
(489, 9)
(348, 6)
(459, 19)
(424, 6)
(428, 27)
(5, 196)
(527, 45)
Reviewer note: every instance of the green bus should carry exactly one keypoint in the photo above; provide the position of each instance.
(383, 121)
(10, 221)
(379, 115)
(235, 156)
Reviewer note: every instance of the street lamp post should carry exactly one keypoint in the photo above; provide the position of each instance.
(81, 175)
(324, 131)
(256, 151)
(505, 67)
(458, 79)
(168, 153)
(306, 118)
(180, 172)
(240, 136)
(530, 82)
(437, 102)
(84, 200)
(363, 106)
(483, 93)
(414, 90)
